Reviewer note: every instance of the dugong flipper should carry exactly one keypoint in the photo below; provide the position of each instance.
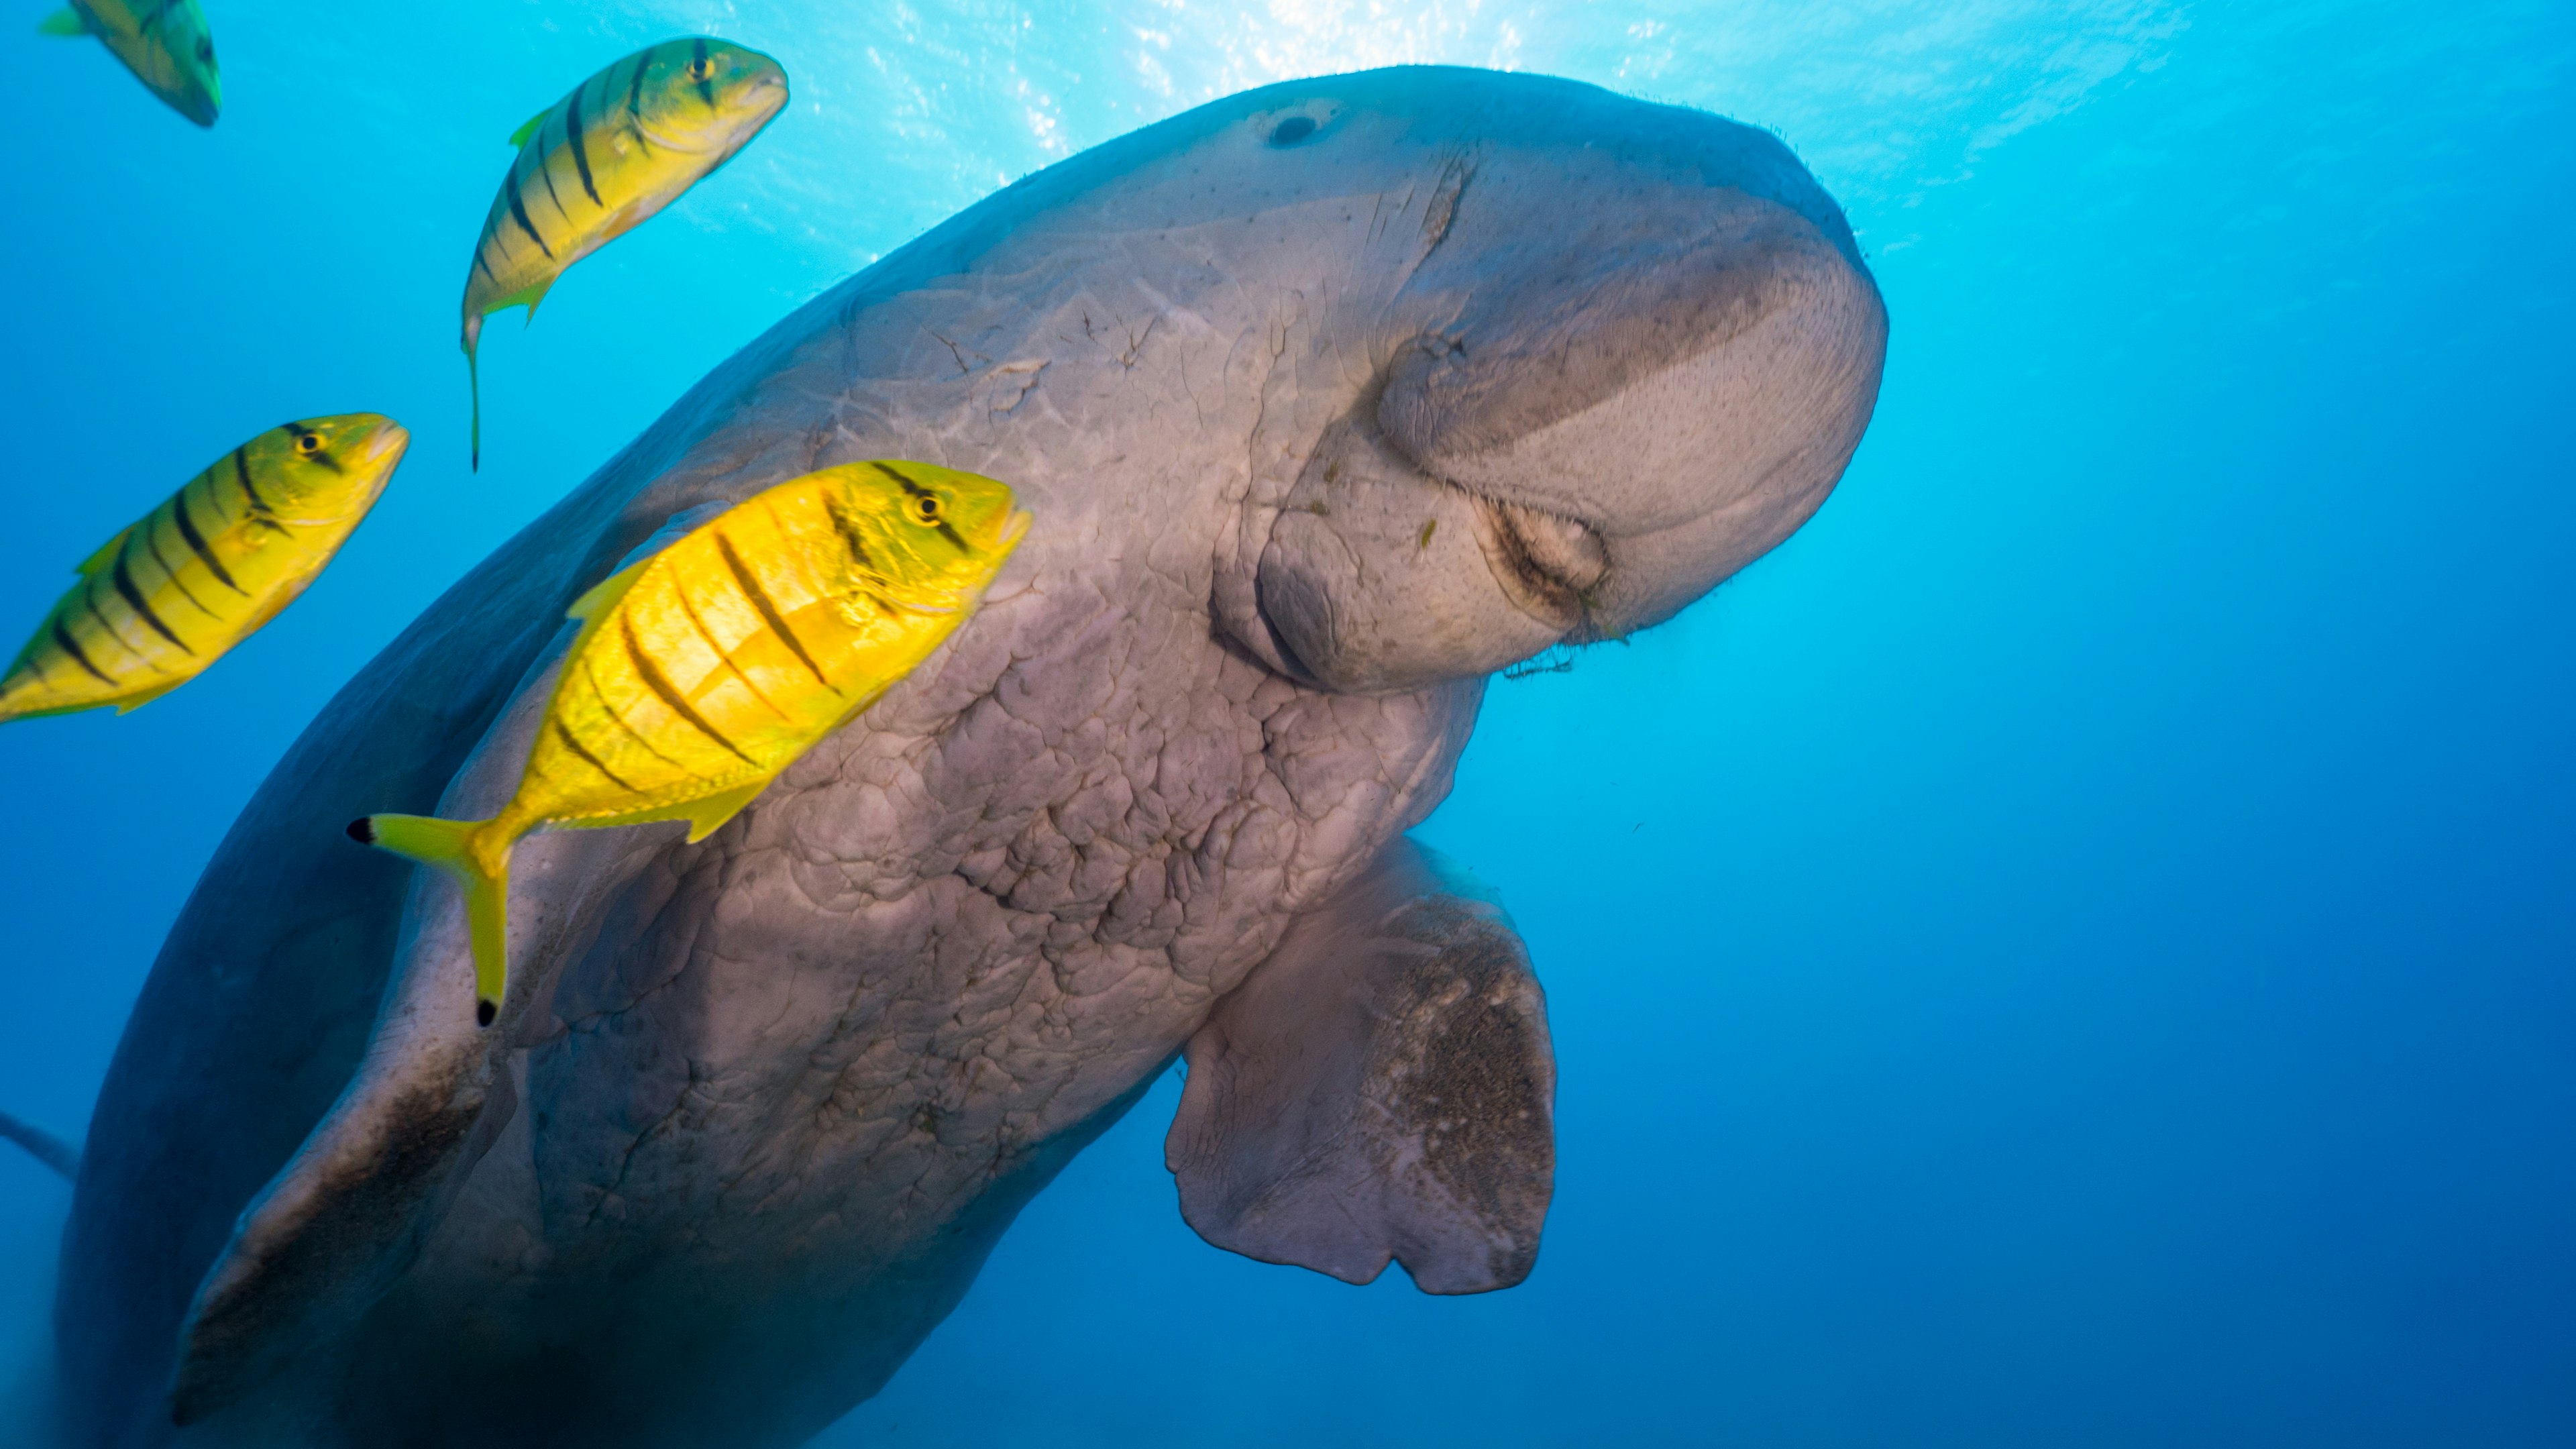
(1328, 400)
(1381, 1087)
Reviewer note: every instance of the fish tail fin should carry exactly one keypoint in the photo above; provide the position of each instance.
(65, 22)
(474, 390)
(452, 846)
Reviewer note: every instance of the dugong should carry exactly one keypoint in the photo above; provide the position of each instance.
(1330, 399)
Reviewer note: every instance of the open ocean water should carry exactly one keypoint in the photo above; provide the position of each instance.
(2076, 948)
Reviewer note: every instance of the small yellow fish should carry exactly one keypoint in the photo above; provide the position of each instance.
(164, 42)
(203, 571)
(621, 147)
(708, 667)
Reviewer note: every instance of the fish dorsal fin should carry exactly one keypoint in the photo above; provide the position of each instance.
(520, 136)
(105, 555)
(65, 22)
(603, 596)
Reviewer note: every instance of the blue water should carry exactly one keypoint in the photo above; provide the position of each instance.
(2078, 947)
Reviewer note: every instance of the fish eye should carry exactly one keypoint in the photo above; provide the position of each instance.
(925, 509)
(307, 444)
(205, 49)
(702, 69)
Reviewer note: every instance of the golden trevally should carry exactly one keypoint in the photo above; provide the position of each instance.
(705, 669)
(164, 42)
(621, 147)
(203, 571)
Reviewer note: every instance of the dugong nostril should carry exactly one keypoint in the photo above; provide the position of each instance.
(1292, 130)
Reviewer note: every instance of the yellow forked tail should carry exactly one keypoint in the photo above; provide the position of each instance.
(449, 845)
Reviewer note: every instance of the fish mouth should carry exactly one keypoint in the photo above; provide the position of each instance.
(1014, 528)
(384, 447)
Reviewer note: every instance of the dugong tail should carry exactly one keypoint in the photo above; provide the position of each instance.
(449, 845)
(48, 1149)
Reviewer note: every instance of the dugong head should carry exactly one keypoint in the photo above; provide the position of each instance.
(1627, 367)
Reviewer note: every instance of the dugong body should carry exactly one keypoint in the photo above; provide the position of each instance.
(1329, 399)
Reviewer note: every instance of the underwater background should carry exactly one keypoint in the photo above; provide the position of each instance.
(2077, 947)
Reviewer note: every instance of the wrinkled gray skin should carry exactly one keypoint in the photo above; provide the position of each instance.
(1329, 399)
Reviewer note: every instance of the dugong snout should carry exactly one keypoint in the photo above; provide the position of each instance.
(1652, 360)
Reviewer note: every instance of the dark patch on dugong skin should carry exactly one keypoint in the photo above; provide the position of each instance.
(234, 1329)
(1464, 1070)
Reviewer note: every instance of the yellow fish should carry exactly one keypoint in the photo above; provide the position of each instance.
(621, 147)
(203, 571)
(164, 42)
(710, 666)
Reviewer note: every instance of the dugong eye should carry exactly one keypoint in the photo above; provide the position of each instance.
(925, 510)
(1292, 130)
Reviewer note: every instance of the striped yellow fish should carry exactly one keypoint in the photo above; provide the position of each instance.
(621, 147)
(164, 42)
(710, 666)
(203, 571)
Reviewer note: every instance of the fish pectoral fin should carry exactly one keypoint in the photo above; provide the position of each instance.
(65, 22)
(520, 136)
(106, 554)
(133, 702)
(706, 814)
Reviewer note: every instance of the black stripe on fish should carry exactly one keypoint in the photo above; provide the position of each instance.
(134, 600)
(548, 172)
(197, 544)
(590, 670)
(241, 471)
(706, 81)
(89, 597)
(661, 685)
(722, 657)
(915, 490)
(152, 541)
(580, 148)
(635, 82)
(574, 744)
(848, 529)
(635, 97)
(71, 646)
(485, 266)
(769, 614)
(519, 211)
